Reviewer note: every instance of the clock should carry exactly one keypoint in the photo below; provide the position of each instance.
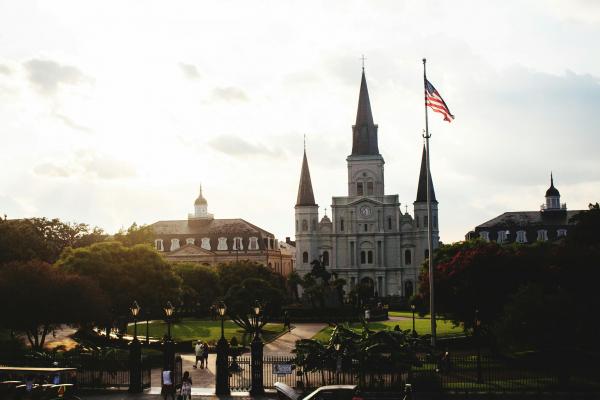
(365, 211)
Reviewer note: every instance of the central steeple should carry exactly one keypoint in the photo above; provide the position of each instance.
(364, 132)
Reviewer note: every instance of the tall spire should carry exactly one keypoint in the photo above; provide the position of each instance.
(422, 187)
(305, 191)
(364, 132)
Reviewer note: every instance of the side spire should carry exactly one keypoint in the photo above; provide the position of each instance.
(364, 132)
(422, 186)
(305, 190)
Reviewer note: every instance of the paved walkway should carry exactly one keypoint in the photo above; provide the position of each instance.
(204, 379)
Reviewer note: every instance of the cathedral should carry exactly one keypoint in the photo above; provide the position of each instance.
(368, 239)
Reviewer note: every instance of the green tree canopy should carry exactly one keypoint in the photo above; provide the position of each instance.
(235, 273)
(37, 297)
(125, 274)
(240, 299)
(200, 284)
(43, 239)
(135, 234)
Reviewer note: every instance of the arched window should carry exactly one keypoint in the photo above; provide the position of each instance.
(341, 224)
(359, 189)
(435, 221)
(407, 257)
(363, 257)
(369, 257)
(313, 225)
(389, 222)
(408, 289)
(426, 253)
(304, 225)
(369, 188)
(305, 257)
(417, 220)
(325, 258)
(174, 244)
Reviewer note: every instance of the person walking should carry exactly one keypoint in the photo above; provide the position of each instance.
(205, 354)
(186, 386)
(286, 321)
(198, 351)
(168, 387)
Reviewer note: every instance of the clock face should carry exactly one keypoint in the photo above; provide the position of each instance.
(365, 211)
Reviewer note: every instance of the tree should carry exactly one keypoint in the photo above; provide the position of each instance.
(38, 297)
(240, 299)
(125, 274)
(42, 239)
(293, 280)
(200, 284)
(234, 273)
(135, 234)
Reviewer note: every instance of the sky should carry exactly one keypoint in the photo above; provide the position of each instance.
(113, 112)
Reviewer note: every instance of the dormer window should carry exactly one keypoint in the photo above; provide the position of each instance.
(189, 241)
(174, 244)
(205, 243)
(542, 235)
(222, 244)
(484, 235)
(158, 244)
(561, 233)
(521, 237)
(253, 243)
(237, 244)
(502, 237)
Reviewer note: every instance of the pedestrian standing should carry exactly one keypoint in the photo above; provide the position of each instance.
(168, 388)
(286, 321)
(186, 386)
(198, 351)
(205, 355)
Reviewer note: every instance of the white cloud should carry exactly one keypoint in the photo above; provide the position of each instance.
(229, 93)
(189, 71)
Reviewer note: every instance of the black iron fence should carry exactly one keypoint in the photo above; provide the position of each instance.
(459, 373)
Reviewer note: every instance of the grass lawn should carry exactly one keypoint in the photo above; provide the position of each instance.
(422, 326)
(408, 314)
(202, 329)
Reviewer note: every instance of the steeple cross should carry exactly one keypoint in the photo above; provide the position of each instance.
(325, 211)
(363, 58)
(406, 208)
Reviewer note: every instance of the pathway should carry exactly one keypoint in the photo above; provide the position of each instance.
(204, 379)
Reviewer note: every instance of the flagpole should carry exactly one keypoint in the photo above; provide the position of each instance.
(429, 222)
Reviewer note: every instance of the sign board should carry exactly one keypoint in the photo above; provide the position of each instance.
(282, 369)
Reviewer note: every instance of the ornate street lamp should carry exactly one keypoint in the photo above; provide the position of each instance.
(222, 377)
(412, 307)
(135, 311)
(257, 386)
(147, 326)
(168, 313)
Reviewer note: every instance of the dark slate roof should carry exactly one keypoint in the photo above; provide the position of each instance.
(364, 132)
(552, 191)
(305, 191)
(208, 227)
(422, 186)
(516, 219)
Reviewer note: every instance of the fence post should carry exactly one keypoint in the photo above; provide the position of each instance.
(135, 366)
(257, 387)
(222, 378)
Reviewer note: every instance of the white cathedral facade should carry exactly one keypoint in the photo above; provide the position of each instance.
(368, 240)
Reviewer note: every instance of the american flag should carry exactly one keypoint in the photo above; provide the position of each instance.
(435, 101)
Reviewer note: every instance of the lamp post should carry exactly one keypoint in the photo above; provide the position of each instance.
(412, 307)
(476, 328)
(168, 343)
(257, 387)
(135, 354)
(338, 367)
(222, 377)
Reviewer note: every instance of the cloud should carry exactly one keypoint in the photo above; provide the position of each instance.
(47, 75)
(189, 70)
(235, 146)
(72, 124)
(87, 163)
(5, 70)
(229, 93)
